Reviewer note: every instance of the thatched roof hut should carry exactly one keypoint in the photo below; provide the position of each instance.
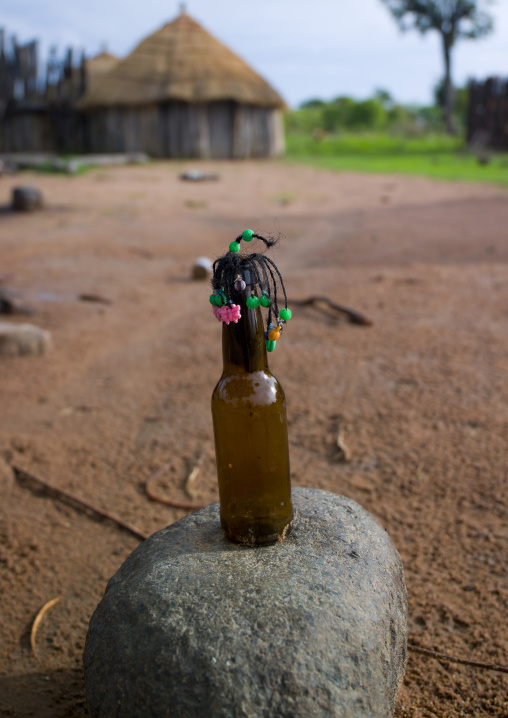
(182, 93)
(98, 66)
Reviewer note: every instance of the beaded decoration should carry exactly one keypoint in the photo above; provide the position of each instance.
(228, 283)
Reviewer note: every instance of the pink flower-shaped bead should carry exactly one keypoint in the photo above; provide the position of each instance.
(236, 313)
(228, 314)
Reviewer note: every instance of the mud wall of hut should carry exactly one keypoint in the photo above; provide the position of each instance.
(217, 130)
(179, 129)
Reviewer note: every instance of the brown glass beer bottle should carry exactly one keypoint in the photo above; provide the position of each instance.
(251, 442)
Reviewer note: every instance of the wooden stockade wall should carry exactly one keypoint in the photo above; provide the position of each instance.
(37, 114)
(487, 122)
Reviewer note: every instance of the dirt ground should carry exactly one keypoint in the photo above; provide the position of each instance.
(421, 396)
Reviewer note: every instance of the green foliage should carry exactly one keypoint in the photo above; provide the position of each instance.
(369, 114)
(453, 19)
(318, 118)
(312, 104)
(380, 135)
(304, 121)
(461, 101)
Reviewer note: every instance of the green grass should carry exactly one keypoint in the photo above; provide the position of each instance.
(438, 156)
(50, 168)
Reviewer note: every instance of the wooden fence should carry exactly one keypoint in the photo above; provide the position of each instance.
(487, 122)
(37, 113)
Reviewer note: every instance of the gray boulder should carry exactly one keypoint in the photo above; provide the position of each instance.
(23, 339)
(194, 626)
(26, 199)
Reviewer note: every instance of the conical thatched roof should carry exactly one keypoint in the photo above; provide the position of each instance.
(101, 63)
(181, 61)
(98, 66)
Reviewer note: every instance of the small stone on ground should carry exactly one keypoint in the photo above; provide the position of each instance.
(23, 339)
(26, 199)
(202, 268)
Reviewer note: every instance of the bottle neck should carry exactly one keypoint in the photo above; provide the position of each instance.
(243, 343)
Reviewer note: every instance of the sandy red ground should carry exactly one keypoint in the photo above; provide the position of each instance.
(421, 396)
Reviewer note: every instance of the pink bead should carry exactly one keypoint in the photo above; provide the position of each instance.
(240, 285)
(236, 312)
(228, 314)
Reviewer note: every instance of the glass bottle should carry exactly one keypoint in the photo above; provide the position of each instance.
(251, 440)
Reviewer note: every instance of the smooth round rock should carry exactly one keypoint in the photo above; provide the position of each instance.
(26, 199)
(202, 268)
(192, 625)
(23, 339)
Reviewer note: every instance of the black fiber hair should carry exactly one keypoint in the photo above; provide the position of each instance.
(263, 272)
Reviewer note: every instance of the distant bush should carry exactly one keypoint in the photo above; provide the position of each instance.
(312, 104)
(318, 118)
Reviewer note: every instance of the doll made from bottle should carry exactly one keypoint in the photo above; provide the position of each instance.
(248, 403)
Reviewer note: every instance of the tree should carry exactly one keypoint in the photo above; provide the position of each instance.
(460, 100)
(311, 104)
(453, 20)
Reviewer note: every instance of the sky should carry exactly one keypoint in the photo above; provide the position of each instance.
(304, 48)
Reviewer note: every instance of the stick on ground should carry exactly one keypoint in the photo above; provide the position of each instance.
(353, 316)
(23, 475)
(452, 659)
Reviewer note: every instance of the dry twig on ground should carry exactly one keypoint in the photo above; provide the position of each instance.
(353, 316)
(453, 659)
(74, 501)
(87, 297)
(38, 619)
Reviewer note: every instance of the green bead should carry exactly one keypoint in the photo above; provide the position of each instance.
(265, 301)
(285, 314)
(212, 299)
(270, 345)
(252, 302)
(234, 247)
(221, 299)
(247, 235)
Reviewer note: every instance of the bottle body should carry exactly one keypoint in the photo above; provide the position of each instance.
(251, 443)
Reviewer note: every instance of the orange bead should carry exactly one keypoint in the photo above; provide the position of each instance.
(274, 334)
